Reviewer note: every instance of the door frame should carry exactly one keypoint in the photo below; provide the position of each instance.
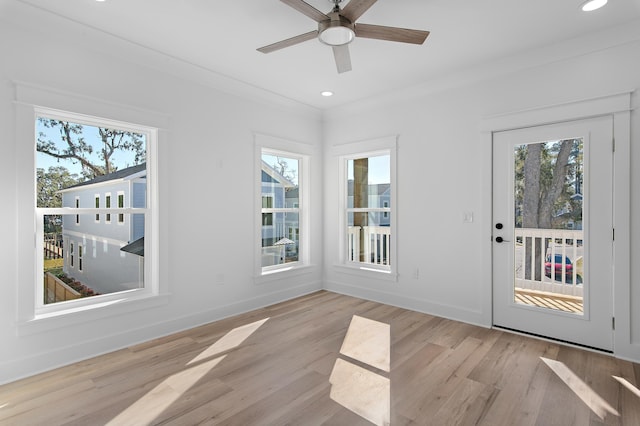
(619, 107)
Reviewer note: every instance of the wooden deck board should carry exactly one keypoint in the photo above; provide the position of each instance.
(548, 300)
(442, 372)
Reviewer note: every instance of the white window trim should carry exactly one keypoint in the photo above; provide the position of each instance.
(301, 152)
(368, 148)
(124, 206)
(80, 257)
(76, 204)
(97, 197)
(107, 216)
(32, 315)
(72, 254)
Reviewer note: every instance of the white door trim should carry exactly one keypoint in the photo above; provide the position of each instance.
(619, 106)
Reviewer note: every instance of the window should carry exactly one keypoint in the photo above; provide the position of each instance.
(107, 204)
(77, 204)
(280, 191)
(121, 206)
(120, 263)
(282, 170)
(367, 180)
(369, 237)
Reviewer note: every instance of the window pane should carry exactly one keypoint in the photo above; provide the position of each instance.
(369, 238)
(369, 182)
(548, 229)
(280, 239)
(74, 156)
(97, 261)
(279, 181)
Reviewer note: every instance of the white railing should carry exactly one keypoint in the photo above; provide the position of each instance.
(377, 244)
(563, 277)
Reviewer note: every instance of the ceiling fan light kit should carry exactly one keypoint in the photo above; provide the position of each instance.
(339, 28)
(336, 32)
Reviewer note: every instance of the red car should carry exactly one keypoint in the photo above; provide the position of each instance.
(557, 265)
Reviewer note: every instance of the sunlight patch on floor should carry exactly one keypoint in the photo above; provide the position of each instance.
(624, 382)
(594, 401)
(146, 409)
(368, 341)
(229, 341)
(361, 391)
(364, 392)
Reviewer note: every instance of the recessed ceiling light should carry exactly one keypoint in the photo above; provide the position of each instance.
(590, 5)
(326, 93)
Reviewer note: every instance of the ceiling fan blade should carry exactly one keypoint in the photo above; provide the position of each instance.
(342, 57)
(355, 8)
(402, 35)
(306, 9)
(289, 42)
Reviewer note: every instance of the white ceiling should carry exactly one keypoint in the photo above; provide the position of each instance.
(222, 36)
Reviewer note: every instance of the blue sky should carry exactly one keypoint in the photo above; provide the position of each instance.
(379, 170)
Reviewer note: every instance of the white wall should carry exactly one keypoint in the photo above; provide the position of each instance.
(443, 170)
(444, 165)
(207, 148)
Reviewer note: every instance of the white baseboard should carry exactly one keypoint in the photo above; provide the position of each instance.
(59, 357)
(414, 304)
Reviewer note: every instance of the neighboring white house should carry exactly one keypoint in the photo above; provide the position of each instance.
(104, 251)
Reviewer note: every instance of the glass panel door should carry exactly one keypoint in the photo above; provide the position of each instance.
(553, 247)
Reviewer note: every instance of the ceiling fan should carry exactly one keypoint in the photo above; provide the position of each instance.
(338, 28)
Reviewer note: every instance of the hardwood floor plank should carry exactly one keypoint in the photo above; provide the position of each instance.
(272, 366)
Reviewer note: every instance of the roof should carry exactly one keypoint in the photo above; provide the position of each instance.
(135, 247)
(118, 174)
(274, 174)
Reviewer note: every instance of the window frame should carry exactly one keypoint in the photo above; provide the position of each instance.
(107, 205)
(33, 316)
(120, 197)
(96, 198)
(366, 149)
(80, 257)
(302, 153)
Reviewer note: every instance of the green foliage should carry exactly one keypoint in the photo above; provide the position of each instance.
(74, 147)
(51, 181)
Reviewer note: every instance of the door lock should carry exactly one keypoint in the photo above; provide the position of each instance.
(501, 240)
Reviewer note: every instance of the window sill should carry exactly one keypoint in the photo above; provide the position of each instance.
(363, 271)
(279, 274)
(45, 322)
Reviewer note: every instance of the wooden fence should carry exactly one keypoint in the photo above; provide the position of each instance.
(55, 290)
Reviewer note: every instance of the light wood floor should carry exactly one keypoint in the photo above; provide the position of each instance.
(283, 365)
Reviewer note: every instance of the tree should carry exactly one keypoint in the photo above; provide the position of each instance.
(51, 181)
(75, 148)
(281, 166)
(545, 186)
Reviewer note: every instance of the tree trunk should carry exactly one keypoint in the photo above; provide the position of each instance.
(361, 198)
(557, 184)
(530, 206)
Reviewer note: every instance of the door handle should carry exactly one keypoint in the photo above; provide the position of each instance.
(501, 240)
